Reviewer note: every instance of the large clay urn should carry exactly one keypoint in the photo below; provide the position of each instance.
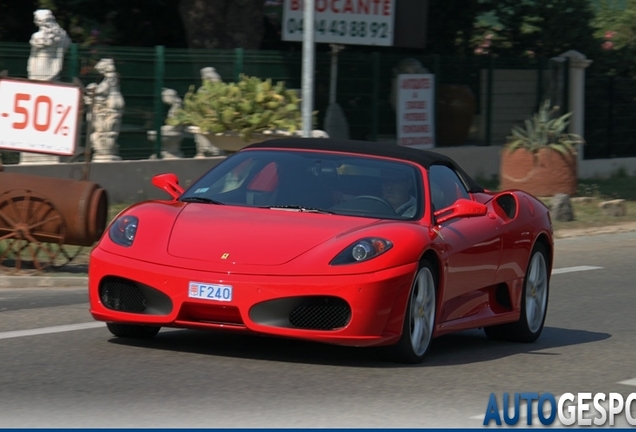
(544, 173)
(456, 105)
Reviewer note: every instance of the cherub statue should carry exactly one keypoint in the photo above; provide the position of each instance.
(107, 106)
(171, 97)
(48, 46)
(210, 74)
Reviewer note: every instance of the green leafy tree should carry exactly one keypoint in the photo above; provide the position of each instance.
(615, 24)
(223, 23)
(543, 28)
(173, 23)
(451, 32)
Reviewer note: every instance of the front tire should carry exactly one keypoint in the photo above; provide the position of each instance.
(133, 331)
(419, 317)
(534, 302)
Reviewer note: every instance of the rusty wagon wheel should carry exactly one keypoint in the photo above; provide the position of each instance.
(32, 232)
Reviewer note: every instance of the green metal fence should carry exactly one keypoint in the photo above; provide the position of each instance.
(363, 88)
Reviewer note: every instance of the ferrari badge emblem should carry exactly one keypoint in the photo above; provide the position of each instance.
(225, 255)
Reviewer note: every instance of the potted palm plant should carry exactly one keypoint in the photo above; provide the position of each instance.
(233, 115)
(540, 157)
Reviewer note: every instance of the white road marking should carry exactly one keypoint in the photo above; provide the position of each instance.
(574, 269)
(48, 330)
(629, 382)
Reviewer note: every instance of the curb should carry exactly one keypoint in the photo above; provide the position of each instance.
(43, 281)
(609, 229)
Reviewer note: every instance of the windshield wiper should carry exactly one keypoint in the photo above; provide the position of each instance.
(201, 200)
(299, 208)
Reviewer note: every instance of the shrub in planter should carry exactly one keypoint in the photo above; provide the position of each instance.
(244, 108)
(540, 156)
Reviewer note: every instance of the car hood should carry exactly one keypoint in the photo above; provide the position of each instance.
(252, 236)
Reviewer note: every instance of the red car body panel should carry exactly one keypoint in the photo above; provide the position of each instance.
(273, 258)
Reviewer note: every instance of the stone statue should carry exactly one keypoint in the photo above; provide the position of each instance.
(171, 97)
(210, 74)
(48, 46)
(204, 146)
(106, 108)
(171, 136)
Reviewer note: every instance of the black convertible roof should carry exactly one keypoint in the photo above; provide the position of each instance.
(424, 158)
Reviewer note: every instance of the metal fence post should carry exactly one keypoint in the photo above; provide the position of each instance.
(375, 102)
(489, 96)
(610, 117)
(73, 60)
(566, 85)
(239, 59)
(437, 73)
(159, 78)
(539, 82)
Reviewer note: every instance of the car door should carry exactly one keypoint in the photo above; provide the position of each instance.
(470, 246)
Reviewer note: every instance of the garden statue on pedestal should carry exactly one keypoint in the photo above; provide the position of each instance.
(106, 108)
(48, 46)
(171, 136)
(204, 146)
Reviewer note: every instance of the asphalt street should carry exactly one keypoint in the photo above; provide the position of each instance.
(59, 368)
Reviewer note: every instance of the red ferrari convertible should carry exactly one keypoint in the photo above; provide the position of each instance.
(343, 242)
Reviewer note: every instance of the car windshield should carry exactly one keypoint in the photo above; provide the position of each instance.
(313, 181)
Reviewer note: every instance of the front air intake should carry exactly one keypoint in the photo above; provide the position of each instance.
(122, 295)
(320, 313)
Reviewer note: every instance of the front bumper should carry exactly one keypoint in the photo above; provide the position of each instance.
(357, 310)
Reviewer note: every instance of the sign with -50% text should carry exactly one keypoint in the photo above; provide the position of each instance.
(39, 116)
(356, 22)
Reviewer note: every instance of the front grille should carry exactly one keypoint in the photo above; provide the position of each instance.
(320, 313)
(122, 295)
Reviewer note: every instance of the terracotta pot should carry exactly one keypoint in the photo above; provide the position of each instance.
(546, 173)
(456, 107)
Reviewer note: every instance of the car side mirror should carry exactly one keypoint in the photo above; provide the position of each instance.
(169, 183)
(460, 208)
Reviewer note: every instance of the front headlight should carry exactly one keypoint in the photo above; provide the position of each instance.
(362, 250)
(123, 230)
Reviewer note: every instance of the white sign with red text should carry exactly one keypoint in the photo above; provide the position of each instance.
(39, 116)
(356, 22)
(415, 113)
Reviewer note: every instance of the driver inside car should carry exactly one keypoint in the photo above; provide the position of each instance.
(396, 190)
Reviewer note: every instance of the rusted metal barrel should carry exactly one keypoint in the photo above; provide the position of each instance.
(82, 205)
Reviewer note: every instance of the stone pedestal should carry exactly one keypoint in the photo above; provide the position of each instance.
(37, 159)
(105, 147)
(170, 142)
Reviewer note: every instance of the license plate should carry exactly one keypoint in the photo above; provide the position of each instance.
(208, 291)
